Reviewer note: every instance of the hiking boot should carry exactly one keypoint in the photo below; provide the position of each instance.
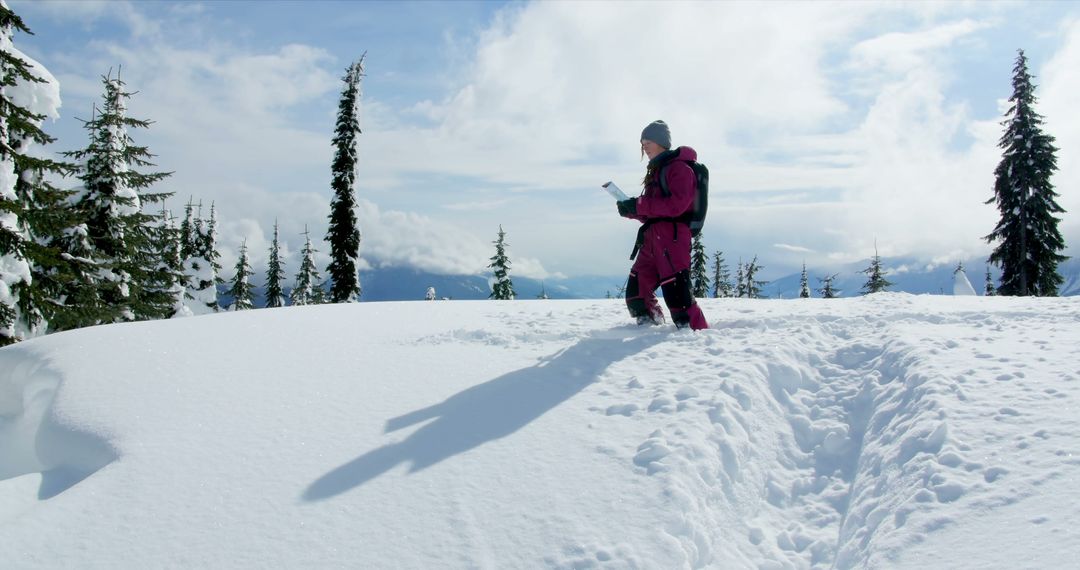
(653, 320)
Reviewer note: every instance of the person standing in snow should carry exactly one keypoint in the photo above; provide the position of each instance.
(662, 249)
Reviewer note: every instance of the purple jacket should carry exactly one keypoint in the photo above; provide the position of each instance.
(681, 183)
(653, 208)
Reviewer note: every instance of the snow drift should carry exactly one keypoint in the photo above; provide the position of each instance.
(888, 431)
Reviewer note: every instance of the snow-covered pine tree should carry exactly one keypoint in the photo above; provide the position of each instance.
(721, 276)
(503, 288)
(1030, 242)
(753, 285)
(430, 294)
(961, 285)
(171, 264)
(343, 233)
(307, 290)
(111, 199)
(32, 210)
(827, 291)
(740, 281)
(275, 274)
(187, 231)
(201, 266)
(804, 284)
(875, 282)
(241, 290)
(699, 268)
(990, 290)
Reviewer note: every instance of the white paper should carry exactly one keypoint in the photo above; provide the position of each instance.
(615, 192)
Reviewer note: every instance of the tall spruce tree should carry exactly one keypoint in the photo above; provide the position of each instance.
(111, 199)
(699, 268)
(503, 288)
(827, 291)
(875, 281)
(721, 276)
(241, 290)
(32, 210)
(804, 284)
(989, 290)
(275, 274)
(1030, 242)
(343, 233)
(307, 290)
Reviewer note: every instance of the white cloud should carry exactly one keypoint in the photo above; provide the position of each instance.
(89, 12)
(409, 239)
(900, 52)
(824, 125)
(1059, 98)
(793, 248)
(558, 92)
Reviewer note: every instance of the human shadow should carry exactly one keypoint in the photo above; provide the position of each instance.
(482, 413)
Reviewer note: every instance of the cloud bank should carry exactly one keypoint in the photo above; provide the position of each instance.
(827, 127)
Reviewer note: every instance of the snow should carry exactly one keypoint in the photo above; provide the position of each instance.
(888, 431)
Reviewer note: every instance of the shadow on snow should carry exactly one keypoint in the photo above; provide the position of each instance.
(483, 413)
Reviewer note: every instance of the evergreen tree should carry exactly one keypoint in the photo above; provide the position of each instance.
(187, 232)
(275, 274)
(241, 290)
(990, 290)
(171, 264)
(804, 284)
(503, 289)
(111, 199)
(699, 268)
(875, 282)
(827, 291)
(1030, 242)
(753, 286)
(201, 266)
(32, 210)
(344, 231)
(740, 281)
(307, 290)
(721, 277)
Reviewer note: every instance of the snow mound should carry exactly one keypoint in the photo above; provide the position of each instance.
(884, 431)
(42, 452)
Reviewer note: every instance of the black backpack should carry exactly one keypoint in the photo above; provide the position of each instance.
(695, 218)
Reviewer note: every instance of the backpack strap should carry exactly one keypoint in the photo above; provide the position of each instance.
(663, 181)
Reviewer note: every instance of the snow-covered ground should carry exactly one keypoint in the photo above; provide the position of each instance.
(892, 431)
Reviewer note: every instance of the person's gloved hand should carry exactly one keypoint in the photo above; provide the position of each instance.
(627, 208)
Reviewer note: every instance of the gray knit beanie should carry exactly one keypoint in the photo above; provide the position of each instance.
(657, 132)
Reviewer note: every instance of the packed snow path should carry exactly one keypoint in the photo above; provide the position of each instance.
(890, 431)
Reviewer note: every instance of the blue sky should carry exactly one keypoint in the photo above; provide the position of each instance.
(826, 126)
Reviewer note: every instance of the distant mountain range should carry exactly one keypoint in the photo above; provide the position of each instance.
(406, 283)
(907, 275)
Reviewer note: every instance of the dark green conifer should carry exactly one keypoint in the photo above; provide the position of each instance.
(1029, 242)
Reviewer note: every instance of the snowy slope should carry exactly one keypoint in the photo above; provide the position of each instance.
(891, 431)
